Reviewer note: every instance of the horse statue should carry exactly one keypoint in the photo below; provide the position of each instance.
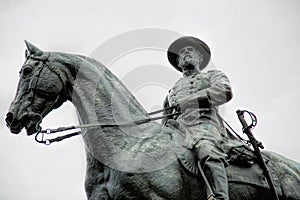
(125, 159)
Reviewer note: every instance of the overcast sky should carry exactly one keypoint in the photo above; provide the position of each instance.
(256, 43)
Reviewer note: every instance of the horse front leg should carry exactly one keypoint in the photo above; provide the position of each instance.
(96, 176)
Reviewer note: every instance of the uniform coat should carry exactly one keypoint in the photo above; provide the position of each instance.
(198, 96)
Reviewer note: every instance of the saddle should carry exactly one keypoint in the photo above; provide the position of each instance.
(242, 168)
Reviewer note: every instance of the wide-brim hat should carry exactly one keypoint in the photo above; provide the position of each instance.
(188, 41)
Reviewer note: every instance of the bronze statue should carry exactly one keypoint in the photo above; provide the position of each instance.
(140, 161)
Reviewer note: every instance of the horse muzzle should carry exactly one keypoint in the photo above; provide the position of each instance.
(30, 121)
(11, 123)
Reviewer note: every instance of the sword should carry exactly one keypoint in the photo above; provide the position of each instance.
(256, 145)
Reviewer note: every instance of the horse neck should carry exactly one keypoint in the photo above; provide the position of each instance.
(100, 97)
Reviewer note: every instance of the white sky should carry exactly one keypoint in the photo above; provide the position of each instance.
(256, 43)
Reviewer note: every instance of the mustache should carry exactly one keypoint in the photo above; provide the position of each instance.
(188, 65)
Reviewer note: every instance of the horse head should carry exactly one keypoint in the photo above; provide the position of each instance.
(42, 87)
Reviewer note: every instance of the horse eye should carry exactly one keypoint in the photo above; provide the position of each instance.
(27, 71)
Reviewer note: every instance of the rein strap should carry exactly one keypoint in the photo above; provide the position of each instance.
(61, 129)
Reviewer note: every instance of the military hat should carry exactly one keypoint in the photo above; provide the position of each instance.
(188, 41)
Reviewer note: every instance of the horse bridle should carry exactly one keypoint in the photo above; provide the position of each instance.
(34, 81)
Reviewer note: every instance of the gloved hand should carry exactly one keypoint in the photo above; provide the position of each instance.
(172, 123)
(173, 100)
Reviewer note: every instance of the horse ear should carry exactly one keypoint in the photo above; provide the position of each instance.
(33, 50)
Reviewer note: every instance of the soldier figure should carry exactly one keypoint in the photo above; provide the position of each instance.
(197, 95)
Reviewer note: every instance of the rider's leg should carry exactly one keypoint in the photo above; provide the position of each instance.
(206, 139)
(214, 170)
(213, 163)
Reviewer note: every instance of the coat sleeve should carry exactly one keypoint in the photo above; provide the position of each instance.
(218, 92)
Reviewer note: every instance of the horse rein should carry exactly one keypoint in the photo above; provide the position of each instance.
(61, 129)
(32, 88)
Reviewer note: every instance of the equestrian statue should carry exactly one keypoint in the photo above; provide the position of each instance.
(190, 155)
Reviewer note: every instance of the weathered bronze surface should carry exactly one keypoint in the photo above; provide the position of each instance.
(122, 161)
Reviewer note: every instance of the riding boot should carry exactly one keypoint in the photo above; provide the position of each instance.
(217, 178)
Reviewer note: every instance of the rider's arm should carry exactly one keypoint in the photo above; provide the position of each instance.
(218, 93)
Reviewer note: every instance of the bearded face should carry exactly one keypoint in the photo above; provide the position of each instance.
(189, 57)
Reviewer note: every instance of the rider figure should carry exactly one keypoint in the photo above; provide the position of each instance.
(197, 95)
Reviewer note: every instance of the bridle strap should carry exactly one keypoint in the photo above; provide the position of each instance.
(59, 74)
(34, 81)
(35, 78)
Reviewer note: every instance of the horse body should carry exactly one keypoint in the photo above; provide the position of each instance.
(123, 162)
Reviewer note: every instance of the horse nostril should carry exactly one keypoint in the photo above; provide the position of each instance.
(9, 118)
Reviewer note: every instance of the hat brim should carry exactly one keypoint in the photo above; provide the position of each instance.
(188, 41)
